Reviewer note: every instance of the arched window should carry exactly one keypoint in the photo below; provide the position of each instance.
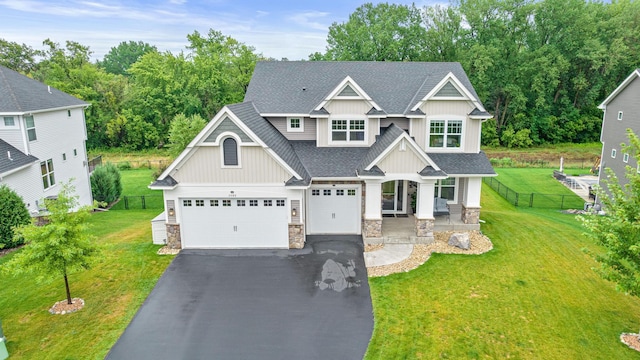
(230, 149)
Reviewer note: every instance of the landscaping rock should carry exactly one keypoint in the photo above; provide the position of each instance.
(460, 240)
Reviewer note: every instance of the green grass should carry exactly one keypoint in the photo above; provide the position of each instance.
(135, 183)
(113, 289)
(534, 296)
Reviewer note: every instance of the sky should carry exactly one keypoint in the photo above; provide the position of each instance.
(278, 28)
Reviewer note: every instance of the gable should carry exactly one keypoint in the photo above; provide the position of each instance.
(227, 125)
(448, 90)
(402, 159)
(347, 91)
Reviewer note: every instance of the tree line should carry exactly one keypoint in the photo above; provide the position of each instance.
(540, 67)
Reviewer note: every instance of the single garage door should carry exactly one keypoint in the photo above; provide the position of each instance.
(234, 223)
(334, 210)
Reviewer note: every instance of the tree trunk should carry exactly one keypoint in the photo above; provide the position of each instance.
(66, 284)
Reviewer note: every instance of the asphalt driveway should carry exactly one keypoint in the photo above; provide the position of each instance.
(312, 303)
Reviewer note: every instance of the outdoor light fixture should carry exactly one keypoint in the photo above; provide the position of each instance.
(293, 212)
(171, 212)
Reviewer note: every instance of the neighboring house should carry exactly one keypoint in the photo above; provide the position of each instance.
(330, 148)
(621, 112)
(42, 140)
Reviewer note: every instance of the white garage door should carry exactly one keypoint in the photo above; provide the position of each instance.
(234, 223)
(334, 210)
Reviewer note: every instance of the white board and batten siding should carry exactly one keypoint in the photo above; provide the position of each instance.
(471, 131)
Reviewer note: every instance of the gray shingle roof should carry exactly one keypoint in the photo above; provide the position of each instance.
(295, 87)
(18, 158)
(168, 181)
(248, 114)
(19, 94)
(430, 171)
(329, 161)
(463, 163)
(478, 112)
(381, 144)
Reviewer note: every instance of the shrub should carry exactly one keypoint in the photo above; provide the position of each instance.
(124, 165)
(106, 183)
(13, 212)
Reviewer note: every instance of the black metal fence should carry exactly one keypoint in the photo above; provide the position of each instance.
(535, 200)
(138, 202)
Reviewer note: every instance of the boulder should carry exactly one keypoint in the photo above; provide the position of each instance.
(460, 240)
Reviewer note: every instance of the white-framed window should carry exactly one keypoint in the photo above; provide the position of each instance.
(326, 192)
(315, 192)
(200, 203)
(344, 130)
(186, 202)
(339, 192)
(240, 203)
(295, 124)
(625, 157)
(614, 152)
(280, 203)
(213, 203)
(75, 152)
(620, 115)
(253, 202)
(445, 133)
(48, 179)
(230, 152)
(10, 122)
(31, 128)
(69, 113)
(268, 203)
(446, 189)
(351, 192)
(64, 157)
(226, 203)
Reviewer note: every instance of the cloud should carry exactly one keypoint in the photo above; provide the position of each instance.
(260, 13)
(309, 19)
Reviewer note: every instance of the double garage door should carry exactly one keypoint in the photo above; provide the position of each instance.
(234, 223)
(334, 210)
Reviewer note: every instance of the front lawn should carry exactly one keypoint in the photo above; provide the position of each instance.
(113, 291)
(534, 296)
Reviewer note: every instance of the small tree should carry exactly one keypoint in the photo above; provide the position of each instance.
(619, 231)
(183, 129)
(13, 212)
(106, 183)
(116, 178)
(60, 247)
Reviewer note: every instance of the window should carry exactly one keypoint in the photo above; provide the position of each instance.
(340, 192)
(46, 168)
(226, 203)
(326, 192)
(230, 152)
(268, 203)
(279, 202)
(613, 153)
(253, 202)
(619, 115)
(347, 130)
(446, 189)
(315, 192)
(213, 203)
(445, 133)
(351, 192)
(295, 124)
(240, 202)
(75, 152)
(625, 157)
(31, 128)
(64, 157)
(9, 121)
(69, 113)
(186, 202)
(199, 203)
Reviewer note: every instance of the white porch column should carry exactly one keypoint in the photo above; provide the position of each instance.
(472, 196)
(471, 204)
(424, 201)
(372, 224)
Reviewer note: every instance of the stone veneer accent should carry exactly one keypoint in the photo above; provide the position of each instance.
(372, 228)
(470, 215)
(424, 227)
(296, 236)
(173, 236)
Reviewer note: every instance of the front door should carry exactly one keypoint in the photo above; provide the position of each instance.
(393, 195)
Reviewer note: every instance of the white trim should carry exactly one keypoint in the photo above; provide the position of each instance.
(284, 115)
(31, 112)
(298, 129)
(348, 81)
(627, 81)
(625, 157)
(16, 122)
(620, 115)
(348, 119)
(614, 152)
(458, 84)
(12, 171)
(446, 119)
(437, 189)
(238, 157)
(412, 145)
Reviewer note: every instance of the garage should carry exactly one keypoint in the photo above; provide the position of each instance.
(234, 223)
(334, 209)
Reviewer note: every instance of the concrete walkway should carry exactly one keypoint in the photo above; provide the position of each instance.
(389, 254)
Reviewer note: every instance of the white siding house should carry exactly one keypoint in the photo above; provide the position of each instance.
(42, 140)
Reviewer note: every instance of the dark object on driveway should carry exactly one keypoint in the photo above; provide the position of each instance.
(312, 303)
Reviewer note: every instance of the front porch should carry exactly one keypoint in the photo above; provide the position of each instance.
(402, 230)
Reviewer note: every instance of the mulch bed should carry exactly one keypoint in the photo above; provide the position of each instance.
(62, 308)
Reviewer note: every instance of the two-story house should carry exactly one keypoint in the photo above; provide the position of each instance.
(42, 140)
(330, 148)
(621, 112)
